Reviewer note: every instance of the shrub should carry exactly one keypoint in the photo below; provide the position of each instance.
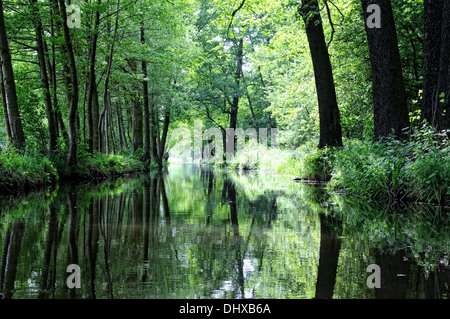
(309, 162)
(26, 167)
(429, 174)
(418, 169)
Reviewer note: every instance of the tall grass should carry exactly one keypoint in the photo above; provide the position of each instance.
(30, 168)
(417, 169)
(27, 168)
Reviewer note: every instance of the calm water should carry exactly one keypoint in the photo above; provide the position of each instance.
(194, 232)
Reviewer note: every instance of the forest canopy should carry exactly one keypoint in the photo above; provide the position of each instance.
(88, 80)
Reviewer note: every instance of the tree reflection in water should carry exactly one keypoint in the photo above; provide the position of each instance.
(194, 232)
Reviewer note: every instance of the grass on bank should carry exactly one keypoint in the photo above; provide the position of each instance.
(416, 170)
(30, 168)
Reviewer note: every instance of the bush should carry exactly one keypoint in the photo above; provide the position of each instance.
(309, 162)
(26, 168)
(256, 156)
(429, 174)
(418, 169)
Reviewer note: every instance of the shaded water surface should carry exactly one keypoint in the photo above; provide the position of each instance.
(194, 232)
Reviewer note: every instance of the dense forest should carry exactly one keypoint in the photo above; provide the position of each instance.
(358, 91)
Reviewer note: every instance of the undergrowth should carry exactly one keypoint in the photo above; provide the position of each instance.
(416, 169)
(30, 168)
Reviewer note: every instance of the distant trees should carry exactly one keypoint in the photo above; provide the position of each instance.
(151, 64)
(128, 56)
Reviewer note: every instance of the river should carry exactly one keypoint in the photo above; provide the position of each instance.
(197, 232)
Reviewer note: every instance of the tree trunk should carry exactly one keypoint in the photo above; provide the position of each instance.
(138, 138)
(389, 96)
(237, 80)
(164, 135)
(147, 157)
(432, 54)
(63, 51)
(51, 65)
(44, 77)
(62, 126)
(91, 81)
(72, 156)
(330, 126)
(153, 128)
(121, 128)
(17, 134)
(106, 96)
(111, 126)
(443, 107)
(4, 106)
(95, 119)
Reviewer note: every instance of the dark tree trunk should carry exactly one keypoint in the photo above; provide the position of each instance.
(138, 139)
(164, 134)
(72, 122)
(237, 79)
(95, 119)
(121, 128)
(432, 54)
(443, 85)
(103, 118)
(153, 128)
(389, 96)
(92, 85)
(52, 127)
(5, 106)
(330, 127)
(15, 122)
(64, 62)
(147, 157)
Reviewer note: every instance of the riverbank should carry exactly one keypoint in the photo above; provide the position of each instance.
(415, 170)
(23, 171)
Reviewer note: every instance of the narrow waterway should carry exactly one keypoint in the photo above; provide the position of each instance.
(196, 232)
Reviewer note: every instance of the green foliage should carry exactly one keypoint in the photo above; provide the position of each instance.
(26, 168)
(429, 174)
(366, 169)
(418, 169)
(309, 162)
(258, 157)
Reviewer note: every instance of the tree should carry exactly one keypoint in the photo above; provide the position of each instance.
(330, 127)
(436, 74)
(389, 97)
(92, 87)
(147, 138)
(72, 156)
(40, 45)
(14, 121)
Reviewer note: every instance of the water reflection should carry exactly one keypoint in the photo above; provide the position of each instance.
(200, 233)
